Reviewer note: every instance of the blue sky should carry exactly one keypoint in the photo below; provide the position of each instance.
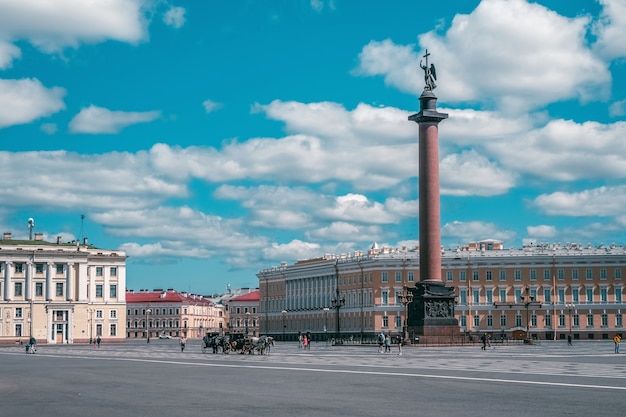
(213, 139)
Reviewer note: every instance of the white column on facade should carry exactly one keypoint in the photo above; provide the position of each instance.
(8, 287)
(121, 284)
(92, 284)
(69, 281)
(28, 292)
(82, 281)
(105, 288)
(49, 289)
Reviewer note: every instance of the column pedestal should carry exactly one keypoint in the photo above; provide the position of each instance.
(431, 314)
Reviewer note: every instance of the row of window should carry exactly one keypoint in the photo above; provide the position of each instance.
(19, 314)
(156, 311)
(18, 268)
(519, 295)
(18, 288)
(532, 274)
(547, 320)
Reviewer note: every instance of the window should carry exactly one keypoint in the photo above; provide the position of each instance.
(617, 273)
(253, 310)
(474, 275)
(98, 290)
(503, 295)
(561, 295)
(384, 277)
(502, 275)
(19, 268)
(462, 276)
(59, 288)
(576, 320)
(603, 295)
(488, 276)
(411, 276)
(562, 320)
(99, 314)
(575, 274)
(398, 321)
(476, 296)
(99, 271)
(502, 319)
(39, 268)
(60, 268)
(113, 314)
(533, 275)
(618, 320)
(560, 274)
(517, 274)
(618, 295)
(463, 296)
(518, 295)
(518, 320)
(18, 330)
(589, 320)
(19, 313)
(113, 291)
(589, 294)
(546, 275)
(398, 276)
(547, 295)
(605, 320)
(603, 273)
(463, 320)
(449, 276)
(113, 271)
(18, 289)
(113, 329)
(385, 321)
(489, 320)
(489, 296)
(385, 297)
(39, 289)
(588, 273)
(575, 295)
(548, 319)
(476, 320)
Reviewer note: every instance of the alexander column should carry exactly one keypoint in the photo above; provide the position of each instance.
(432, 312)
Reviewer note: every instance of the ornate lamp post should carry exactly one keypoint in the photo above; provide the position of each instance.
(338, 301)
(570, 307)
(284, 313)
(326, 309)
(148, 311)
(406, 298)
(247, 318)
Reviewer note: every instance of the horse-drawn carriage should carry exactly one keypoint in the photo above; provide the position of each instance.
(237, 342)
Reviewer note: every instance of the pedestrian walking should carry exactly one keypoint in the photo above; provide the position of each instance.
(305, 342)
(98, 340)
(308, 340)
(183, 342)
(569, 340)
(381, 342)
(483, 339)
(388, 344)
(400, 341)
(617, 340)
(33, 345)
(300, 340)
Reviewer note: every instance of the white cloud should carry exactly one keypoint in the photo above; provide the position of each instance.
(95, 120)
(53, 26)
(346, 232)
(294, 250)
(357, 208)
(610, 30)
(602, 201)
(541, 231)
(25, 100)
(503, 52)
(8, 53)
(49, 128)
(210, 106)
(470, 173)
(474, 231)
(175, 17)
(617, 109)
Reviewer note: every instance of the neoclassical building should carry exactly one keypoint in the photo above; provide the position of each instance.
(151, 314)
(549, 290)
(61, 292)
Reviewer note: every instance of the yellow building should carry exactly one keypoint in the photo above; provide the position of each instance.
(550, 290)
(61, 292)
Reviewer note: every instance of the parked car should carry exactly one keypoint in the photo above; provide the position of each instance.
(165, 336)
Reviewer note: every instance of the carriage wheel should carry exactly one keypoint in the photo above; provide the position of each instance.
(203, 348)
(226, 348)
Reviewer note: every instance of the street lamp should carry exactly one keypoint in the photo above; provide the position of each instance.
(247, 318)
(148, 311)
(338, 301)
(406, 298)
(326, 309)
(569, 308)
(284, 313)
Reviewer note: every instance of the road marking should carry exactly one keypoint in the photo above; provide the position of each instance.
(346, 371)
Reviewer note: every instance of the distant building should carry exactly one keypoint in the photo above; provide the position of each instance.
(170, 313)
(551, 290)
(243, 313)
(61, 292)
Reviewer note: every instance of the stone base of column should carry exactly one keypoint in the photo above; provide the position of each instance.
(431, 314)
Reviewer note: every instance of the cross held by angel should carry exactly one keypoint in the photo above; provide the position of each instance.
(430, 74)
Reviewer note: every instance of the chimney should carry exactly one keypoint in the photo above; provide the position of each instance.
(6, 236)
(85, 241)
(58, 240)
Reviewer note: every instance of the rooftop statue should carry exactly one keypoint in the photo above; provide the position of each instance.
(430, 75)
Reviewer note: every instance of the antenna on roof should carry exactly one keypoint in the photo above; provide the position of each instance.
(31, 225)
(82, 223)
